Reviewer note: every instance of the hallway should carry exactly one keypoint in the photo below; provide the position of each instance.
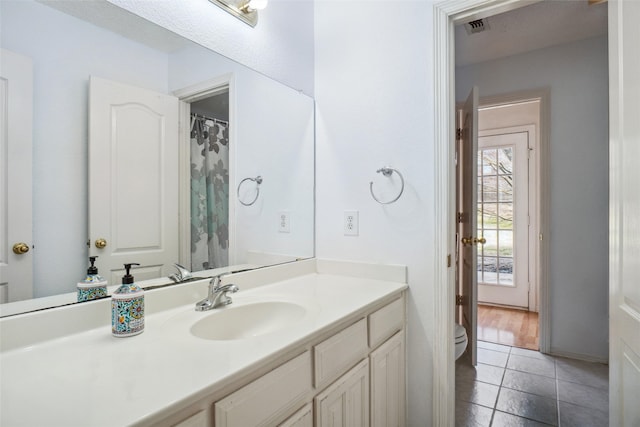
(512, 327)
(518, 387)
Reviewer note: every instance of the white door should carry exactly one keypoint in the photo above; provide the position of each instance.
(16, 124)
(467, 220)
(503, 211)
(133, 180)
(624, 196)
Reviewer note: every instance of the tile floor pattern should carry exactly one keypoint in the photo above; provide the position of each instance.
(518, 387)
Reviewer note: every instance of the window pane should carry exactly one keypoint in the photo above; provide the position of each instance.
(505, 157)
(505, 213)
(489, 216)
(491, 247)
(490, 270)
(505, 186)
(490, 189)
(489, 162)
(506, 271)
(505, 242)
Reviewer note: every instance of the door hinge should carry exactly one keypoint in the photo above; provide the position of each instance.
(459, 300)
(448, 260)
(459, 133)
(460, 217)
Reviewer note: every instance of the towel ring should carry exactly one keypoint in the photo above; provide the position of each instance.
(387, 171)
(258, 181)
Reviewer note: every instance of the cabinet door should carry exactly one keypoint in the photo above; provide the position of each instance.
(346, 402)
(388, 383)
(302, 418)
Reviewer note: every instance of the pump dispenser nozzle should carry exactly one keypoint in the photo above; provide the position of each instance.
(128, 278)
(93, 269)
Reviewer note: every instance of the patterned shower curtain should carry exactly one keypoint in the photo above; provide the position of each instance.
(209, 194)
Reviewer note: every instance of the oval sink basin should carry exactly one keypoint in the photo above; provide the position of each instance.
(247, 321)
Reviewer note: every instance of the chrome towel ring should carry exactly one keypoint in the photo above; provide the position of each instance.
(258, 181)
(387, 171)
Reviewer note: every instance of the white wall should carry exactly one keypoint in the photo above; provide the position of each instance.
(63, 62)
(280, 46)
(576, 74)
(273, 137)
(373, 69)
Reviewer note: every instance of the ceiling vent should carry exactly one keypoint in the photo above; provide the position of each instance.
(477, 26)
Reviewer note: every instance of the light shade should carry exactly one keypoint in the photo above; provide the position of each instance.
(245, 10)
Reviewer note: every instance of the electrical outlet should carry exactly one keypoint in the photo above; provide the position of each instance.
(350, 223)
(284, 222)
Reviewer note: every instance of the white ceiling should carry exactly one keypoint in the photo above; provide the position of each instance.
(540, 25)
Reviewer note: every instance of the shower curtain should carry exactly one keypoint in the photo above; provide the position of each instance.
(209, 194)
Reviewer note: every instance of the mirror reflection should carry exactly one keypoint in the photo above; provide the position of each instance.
(146, 148)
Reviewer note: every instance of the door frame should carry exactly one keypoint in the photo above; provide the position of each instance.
(445, 15)
(186, 96)
(542, 160)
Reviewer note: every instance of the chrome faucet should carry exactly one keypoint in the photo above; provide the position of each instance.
(217, 295)
(182, 275)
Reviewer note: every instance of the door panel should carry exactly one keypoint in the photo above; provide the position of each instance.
(624, 140)
(16, 122)
(133, 179)
(468, 221)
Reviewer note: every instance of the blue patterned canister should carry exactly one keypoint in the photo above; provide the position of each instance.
(127, 311)
(127, 307)
(93, 287)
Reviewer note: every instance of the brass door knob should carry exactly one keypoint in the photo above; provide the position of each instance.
(20, 248)
(467, 241)
(481, 240)
(101, 243)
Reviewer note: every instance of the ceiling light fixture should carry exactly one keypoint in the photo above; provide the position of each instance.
(245, 10)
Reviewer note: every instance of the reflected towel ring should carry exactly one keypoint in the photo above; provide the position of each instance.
(387, 171)
(258, 181)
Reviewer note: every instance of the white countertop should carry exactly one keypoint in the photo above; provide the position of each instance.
(93, 379)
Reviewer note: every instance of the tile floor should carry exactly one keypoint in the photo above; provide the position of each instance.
(518, 387)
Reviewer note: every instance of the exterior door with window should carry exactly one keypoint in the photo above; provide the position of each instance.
(503, 217)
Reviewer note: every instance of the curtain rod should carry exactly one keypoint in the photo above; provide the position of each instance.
(200, 116)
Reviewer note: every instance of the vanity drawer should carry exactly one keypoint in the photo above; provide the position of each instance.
(386, 322)
(269, 399)
(340, 352)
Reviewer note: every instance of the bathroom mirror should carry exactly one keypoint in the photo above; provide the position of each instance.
(265, 127)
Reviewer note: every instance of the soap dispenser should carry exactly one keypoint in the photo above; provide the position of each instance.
(93, 286)
(127, 307)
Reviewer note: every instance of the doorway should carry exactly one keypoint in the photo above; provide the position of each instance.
(446, 14)
(209, 183)
(207, 156)
(511, 153)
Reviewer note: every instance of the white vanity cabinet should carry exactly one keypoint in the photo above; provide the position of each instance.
(353, 376)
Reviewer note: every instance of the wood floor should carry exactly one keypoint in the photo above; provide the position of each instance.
(517, 328)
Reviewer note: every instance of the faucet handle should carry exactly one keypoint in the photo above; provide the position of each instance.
(183, 273)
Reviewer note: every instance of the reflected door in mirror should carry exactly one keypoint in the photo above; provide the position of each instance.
(16, 116)
(133, 179)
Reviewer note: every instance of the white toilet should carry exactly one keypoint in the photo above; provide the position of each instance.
(460, 339)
